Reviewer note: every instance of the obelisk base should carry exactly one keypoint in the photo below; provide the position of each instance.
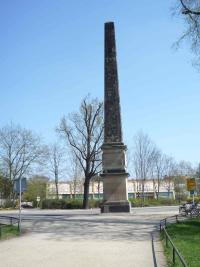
(116, 206)
(115, 193)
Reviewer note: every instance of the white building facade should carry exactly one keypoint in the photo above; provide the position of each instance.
(135, 189)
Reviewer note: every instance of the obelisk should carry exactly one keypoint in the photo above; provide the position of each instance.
(115, 195)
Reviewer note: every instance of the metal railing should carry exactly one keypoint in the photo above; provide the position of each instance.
(172, 219)
(175, 219)
(163, 224)
(7, 221)
(174, 249)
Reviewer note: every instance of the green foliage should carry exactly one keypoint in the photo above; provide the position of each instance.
(67, 204)
(77, 203)
(9, 204)
(186, 237)
(139, 202)
(94, 203)
(61, 204)
(36, 186)
(196, 199)
(5, 187)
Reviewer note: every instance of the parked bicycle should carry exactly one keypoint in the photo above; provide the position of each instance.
(190, 209)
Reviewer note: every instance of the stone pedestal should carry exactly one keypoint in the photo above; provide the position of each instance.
(114, 175)
(113, 158)
(115, 193)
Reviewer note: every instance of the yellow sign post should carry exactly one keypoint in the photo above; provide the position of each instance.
(191, 184)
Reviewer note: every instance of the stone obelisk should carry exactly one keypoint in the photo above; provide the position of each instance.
(113, 157)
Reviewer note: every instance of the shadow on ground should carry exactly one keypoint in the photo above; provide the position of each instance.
(128, 228)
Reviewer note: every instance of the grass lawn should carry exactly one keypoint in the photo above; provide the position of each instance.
(9, 231)
(186, 237)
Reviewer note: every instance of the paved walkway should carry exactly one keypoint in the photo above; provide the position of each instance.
(86, 238)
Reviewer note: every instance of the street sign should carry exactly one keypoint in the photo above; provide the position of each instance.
(191, 184)
(38, 198)
(17, 185)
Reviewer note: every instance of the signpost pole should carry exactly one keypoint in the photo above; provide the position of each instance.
(20, 202)
(191, 186)
(19, 187)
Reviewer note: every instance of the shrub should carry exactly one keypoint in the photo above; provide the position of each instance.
(94, 203)
(67, 204)
(73, 204)
(196, 199)
(138, 202)
(8, 204)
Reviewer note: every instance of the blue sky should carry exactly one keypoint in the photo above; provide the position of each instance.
(51, 56)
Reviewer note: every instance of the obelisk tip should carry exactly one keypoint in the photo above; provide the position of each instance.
(109, 24)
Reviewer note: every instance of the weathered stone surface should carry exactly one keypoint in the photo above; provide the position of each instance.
(113, 157)
(112, 116)
(116, 206)
(115, 187)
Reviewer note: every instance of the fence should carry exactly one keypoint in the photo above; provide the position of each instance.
(176, 219)
(174, 249)
(6, 221)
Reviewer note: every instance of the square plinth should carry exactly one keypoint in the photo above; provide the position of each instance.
(116, 206)
(115, 193)
(115, 187)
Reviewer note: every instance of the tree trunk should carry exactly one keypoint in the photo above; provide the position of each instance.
(86, 193)
(98, 189)
(56, 179)
(158, 189)
(56, 184)
(56, 190)
(143, 196)
(74, 195)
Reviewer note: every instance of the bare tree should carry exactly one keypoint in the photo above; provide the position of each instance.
(20, 149)
(143, 157)
(190, 11)
(169, 173)
(75, 173)
(159, 168)
(83, 131)
(56, 159)
(184, 168)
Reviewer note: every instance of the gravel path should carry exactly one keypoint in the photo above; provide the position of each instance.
(86, 238)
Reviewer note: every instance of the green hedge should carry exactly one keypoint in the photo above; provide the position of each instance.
(67, 204)
(139, 202)
(8, 204)
(196, 199)
(77, 203)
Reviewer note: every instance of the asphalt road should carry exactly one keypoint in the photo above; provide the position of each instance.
(79, 238)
